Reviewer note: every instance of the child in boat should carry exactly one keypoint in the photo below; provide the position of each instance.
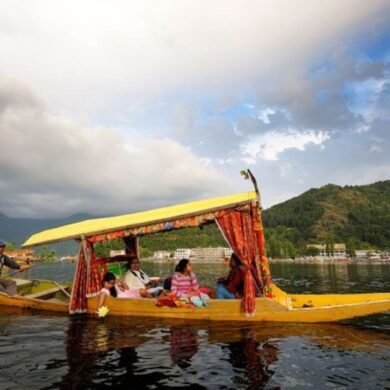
(184, 283)
(185, 286)
(232, 286)
(117, 289)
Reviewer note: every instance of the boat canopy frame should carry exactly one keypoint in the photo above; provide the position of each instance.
(238, 217)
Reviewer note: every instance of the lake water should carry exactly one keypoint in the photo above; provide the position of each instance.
(48, 352)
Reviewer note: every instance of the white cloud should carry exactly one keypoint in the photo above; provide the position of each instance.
(270, 145)
(100, 66)
(91, 56)
(50, 165)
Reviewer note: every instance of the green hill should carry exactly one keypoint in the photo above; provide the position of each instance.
(356, 215)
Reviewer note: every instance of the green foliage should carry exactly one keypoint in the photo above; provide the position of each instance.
(356, 215)
(208, 236)
(312, 251)
(47, 255)
(279, 242)
(102, 249)
(145, 252)
(299, 213)
(10, 246)
(351, 244)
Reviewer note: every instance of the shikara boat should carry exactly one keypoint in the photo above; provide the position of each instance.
(239, 219)
(45, 295)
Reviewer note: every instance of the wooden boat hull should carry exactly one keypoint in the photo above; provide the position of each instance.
(282, 308)
(53, 299)
(354, 305)
(36, 304)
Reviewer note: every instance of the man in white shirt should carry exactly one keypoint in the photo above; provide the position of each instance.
(134, 277)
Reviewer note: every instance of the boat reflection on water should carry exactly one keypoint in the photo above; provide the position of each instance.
(253, 358)
(140, 353)
(183, 345)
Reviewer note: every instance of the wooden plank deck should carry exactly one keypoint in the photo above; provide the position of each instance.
(44, 293)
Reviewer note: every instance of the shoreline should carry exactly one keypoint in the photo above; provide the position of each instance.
(320, 261)
(324, 261)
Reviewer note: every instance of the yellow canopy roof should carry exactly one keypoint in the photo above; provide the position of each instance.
(104, 225)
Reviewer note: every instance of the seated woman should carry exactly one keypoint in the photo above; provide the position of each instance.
(118, 289)
(184, 284)
(232, 286)
(134, 277)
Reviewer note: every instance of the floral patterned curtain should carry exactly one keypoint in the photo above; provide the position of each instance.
(78, 301)
(87, 280)
(241, 230)
(262, 266)
(95, 272)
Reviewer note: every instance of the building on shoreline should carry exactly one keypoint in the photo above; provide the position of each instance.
(337, 251)
(202, 254)
(160, 255)
(182, 253)
(117, 252)
(21, 255)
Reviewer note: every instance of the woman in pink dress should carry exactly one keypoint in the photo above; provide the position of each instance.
(184, 283)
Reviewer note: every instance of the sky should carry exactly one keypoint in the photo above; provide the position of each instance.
(112, 107)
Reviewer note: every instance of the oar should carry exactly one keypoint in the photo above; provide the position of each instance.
(62, 289)
(21, 270)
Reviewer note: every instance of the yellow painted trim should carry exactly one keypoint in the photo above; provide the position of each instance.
(355, 305)
(283, 308)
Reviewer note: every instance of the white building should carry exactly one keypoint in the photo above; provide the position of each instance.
(339, 251)
(114, 253)
(182, 253)
(207, 253)
(362, 253)
(227, 252)
(161, 255)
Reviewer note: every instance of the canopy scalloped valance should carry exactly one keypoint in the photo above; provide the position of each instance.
(181, 223)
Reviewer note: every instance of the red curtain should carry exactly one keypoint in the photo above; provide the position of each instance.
(262, 265)
(240, 228)
(78, 301)
(95, 271)
(87, 280)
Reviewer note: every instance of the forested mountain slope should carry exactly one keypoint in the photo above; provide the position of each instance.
(356, 215)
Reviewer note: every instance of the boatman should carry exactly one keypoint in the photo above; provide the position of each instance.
(8, 286)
